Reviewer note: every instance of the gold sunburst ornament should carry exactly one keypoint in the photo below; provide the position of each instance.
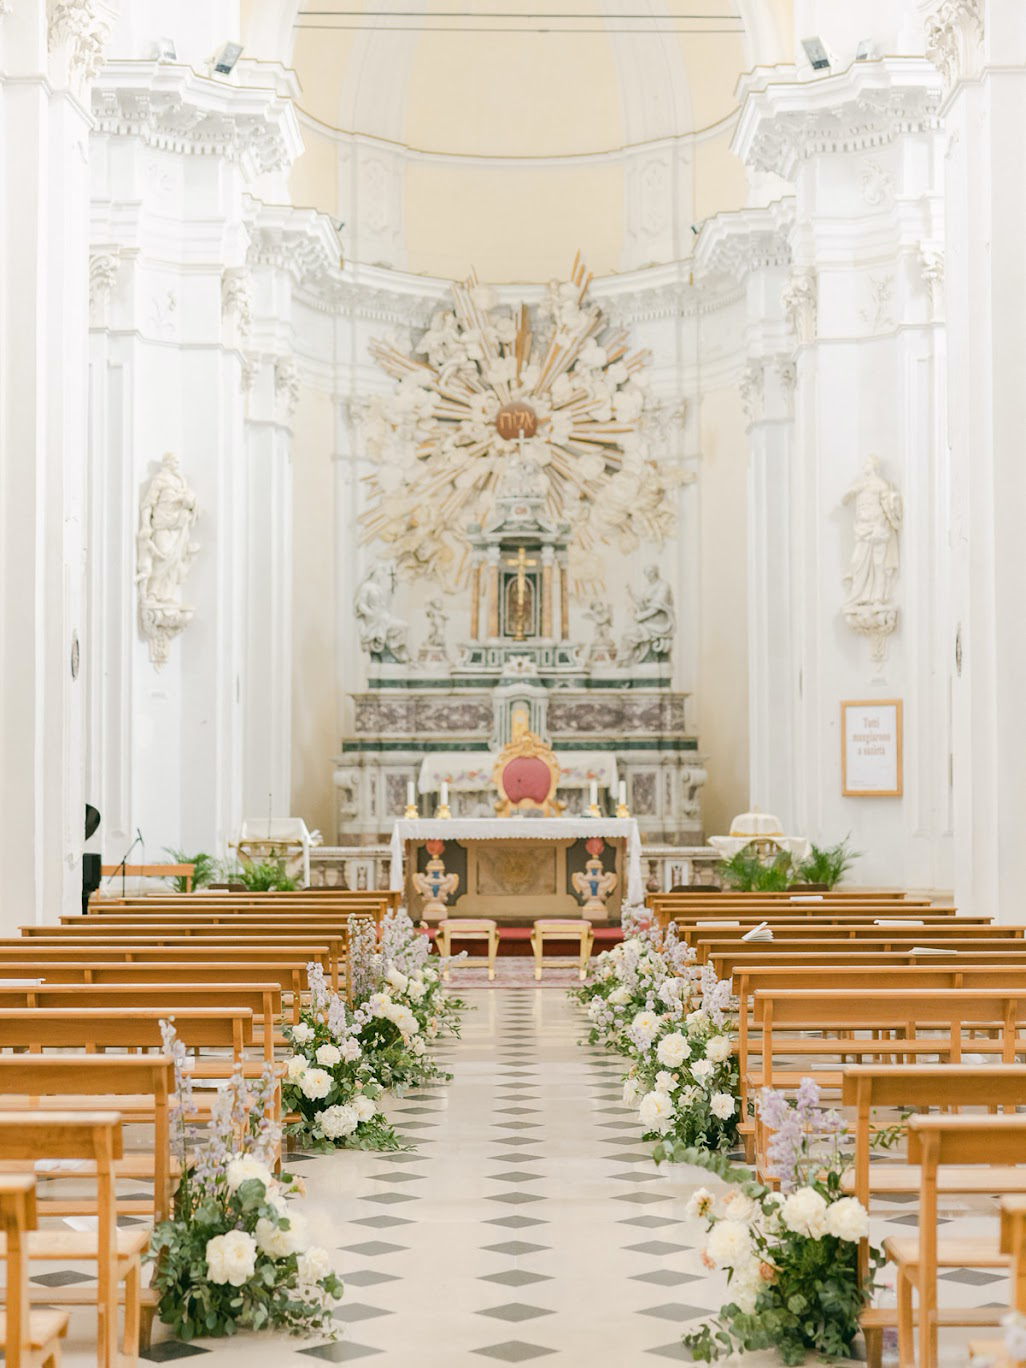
(565, 395)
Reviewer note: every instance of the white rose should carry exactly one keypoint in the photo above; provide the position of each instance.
(397, 979)
(315, 1083)
(746, 1286)
(847, 1219)
(665, 1082)
(645, 1024)
(243, 1168)
(702, 1071)
(804, 1212)
(700, 1203)
(656, 1111)
(738, 1207)
(273, 1240)
(302, 1034)
(672, 1050)
(328, 1055)
(688, 1095)
(417, 1045)
(295, 1069)
(314, 1264)
(231, 1258)
(364, 1107)
(630, 1092)
(404, 1019)
(337, 1122)
(697, 1022)
(718, 1049)
(729, 1243)
(722, 1105)
(350, 1049)
(619, 996)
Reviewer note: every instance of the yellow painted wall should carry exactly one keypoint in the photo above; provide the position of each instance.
(512, 224)
(314, 710)
(313, 182)
(723, 682)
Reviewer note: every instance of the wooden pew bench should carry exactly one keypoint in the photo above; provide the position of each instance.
(728, 962)
(31, 1339)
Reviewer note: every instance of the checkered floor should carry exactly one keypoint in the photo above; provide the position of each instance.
(529, 1223)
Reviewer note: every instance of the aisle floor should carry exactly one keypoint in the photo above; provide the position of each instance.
(529, 1224)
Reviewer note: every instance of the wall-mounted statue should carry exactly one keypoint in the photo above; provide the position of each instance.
(382, 634)
(164, 551)
(650, 638)
(433, 651)
(602, 648)
(869, 608)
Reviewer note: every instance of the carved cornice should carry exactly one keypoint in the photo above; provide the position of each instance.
(731, 245)
(171, 108)
(784, 122)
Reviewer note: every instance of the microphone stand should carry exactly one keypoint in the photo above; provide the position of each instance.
(124, 861)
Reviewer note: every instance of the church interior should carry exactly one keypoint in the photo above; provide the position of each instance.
(507, 812)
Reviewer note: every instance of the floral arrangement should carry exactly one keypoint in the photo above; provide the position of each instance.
(233, 1253)
(673, 1022)
(329, 1090)
(791, 1256)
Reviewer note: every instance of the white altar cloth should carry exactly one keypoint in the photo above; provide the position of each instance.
(468, 771)
(521, 828)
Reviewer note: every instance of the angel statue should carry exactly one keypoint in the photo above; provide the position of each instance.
(164, 551)
(382, 634)
(651, 636)
(602, 649)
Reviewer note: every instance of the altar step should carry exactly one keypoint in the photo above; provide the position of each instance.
(516, 940)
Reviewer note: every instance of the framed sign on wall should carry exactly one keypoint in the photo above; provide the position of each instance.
(871, 764)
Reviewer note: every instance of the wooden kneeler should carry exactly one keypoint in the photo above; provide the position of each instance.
(96, 1138)
(31, 1339)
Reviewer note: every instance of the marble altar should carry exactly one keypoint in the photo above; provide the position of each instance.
(518, 868)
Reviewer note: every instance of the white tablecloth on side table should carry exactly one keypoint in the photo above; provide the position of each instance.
(522, 829)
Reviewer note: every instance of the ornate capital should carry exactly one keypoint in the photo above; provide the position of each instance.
(236, 300)
(931, 260)
(83, 28)
(751, 389)
(954, 38)
(103, 272)
(286, 384)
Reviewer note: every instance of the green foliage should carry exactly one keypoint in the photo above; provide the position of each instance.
(746, 872)
(827, 864)
(204, 869)
(266, 877)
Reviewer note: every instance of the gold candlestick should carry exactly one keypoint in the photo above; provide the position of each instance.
(621, 810)
(442, 813)
(411, 814)
(593, 810)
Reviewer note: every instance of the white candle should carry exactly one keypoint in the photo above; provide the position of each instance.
(622, 797)
(410, 794)
(444, 797)
(593, 793)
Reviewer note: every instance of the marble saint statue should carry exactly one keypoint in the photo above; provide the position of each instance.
(433, 651)
(650, 637)
(602, 649)
(382, 634)
(164, 551)
(874, 559)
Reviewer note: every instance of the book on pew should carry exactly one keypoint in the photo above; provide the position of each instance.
(806, 897)
(896, 921)
(931, 950)
(762, 932)
(715, 923)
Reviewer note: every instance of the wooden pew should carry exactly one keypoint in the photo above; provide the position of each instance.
(857, 979)
(934, 1143)
(96, 1138)
(262, 1000)
(105, 1028)
(138, 1087)
(1013, 1244)
(728, 962)
(290, 978)
(31, 1338)
(820, 932)
(17, 954)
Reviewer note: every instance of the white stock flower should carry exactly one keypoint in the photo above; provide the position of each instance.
(314, 1264)
(722, 1105)
(718, 1048)
(364, 1107)
(337, 1122)
(241, 1169)
(302, 1034)
(656, 1111)
(804, 1212)
(703, 1070)
(729, 1243)
(315, 1084)
(415, 991)
(847, 1219)
(746, 1285)
(417, 1045)
(231, 1258)
(328, 1055)
(672, 1050)
(295, 1069)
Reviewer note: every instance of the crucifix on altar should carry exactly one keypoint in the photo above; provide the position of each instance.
(519, 606)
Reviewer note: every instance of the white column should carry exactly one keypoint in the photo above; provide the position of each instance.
(985, 75)
(44, 129)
